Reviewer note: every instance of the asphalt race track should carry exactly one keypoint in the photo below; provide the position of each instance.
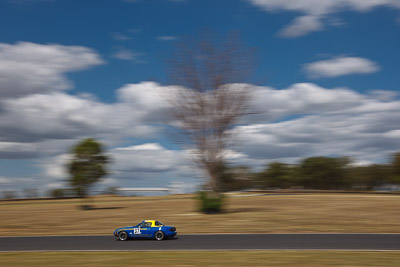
(207, 242)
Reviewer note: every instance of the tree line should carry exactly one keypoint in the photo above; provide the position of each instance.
(321, 173)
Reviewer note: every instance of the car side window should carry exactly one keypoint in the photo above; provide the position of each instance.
(147, 224)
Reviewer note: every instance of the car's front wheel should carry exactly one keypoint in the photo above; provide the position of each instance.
(159, 235)
(123, 236)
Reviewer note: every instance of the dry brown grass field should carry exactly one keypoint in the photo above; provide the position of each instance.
(273, 213)
(204, 258)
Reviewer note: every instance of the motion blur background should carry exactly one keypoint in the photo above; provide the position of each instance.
(133, 101)
(325, 74)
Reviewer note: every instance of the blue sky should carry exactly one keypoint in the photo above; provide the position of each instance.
(326, 80)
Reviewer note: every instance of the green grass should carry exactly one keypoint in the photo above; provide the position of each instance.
(202, 258)
(305, 213)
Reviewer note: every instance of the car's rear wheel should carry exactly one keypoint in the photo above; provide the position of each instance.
(159, 235)
(123, 236)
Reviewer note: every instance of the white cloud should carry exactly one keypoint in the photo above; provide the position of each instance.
(315, 12)
(302, 26)
(132, 166)
(126, 54)
(340, 66)
(27, 68)
(52, 116)
(148, 99)
(300, 99)
(146, 158)
(151, 164)
(55, 168)
(15, 150)
(320, 7)
(142, 147)
(354, 135)
(48, 124)
(384, 95)
(4, 180)
(307, 120)
(304, 119)
(292, 123)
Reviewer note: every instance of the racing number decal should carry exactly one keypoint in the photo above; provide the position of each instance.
(136, 231)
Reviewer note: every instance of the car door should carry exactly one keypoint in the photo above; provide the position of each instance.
(146, 229)
(155, 227)
(137, 230)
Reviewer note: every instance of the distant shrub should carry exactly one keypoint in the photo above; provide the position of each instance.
(210, 202)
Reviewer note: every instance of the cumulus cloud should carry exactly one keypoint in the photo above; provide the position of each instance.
(316, 12)
(340, 66)
(301, 26)
(270, 104)
(150, 157)
(15, 150)
(148, 99)
(43, 124)
(51, 116)
(315, 135)
(291, 123)
(132, 166)
(127, 54)
(308, 120)
(319, 7)
(304, 119)
(27, 68)
(152, 164)
(384, 95)
(39, 121)
(4, 180)
(55, 168)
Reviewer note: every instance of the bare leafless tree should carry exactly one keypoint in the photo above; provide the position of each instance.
(208, 98)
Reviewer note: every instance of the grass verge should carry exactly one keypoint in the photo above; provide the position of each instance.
(238, 258)
(290, 213)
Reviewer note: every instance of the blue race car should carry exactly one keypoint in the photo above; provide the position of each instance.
(146, 229)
